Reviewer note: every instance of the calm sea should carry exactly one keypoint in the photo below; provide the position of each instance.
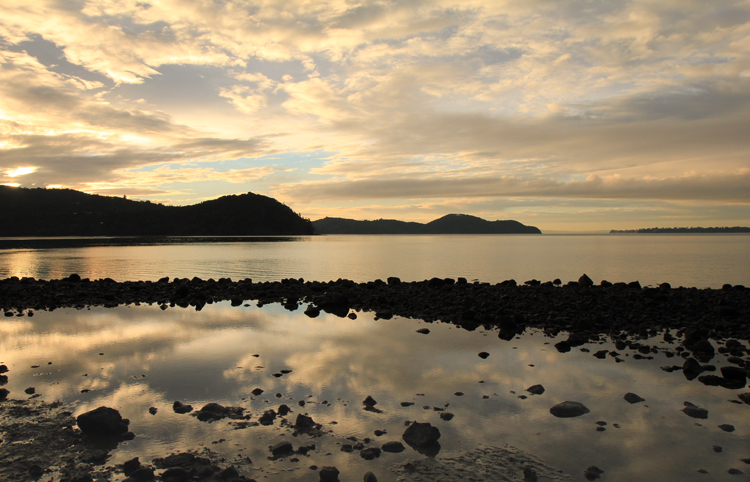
(681, 260)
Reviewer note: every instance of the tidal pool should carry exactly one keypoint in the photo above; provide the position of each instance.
(133, 358)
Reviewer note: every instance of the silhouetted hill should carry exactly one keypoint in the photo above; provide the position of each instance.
(65, 212)
(449, 224)
(718, 230)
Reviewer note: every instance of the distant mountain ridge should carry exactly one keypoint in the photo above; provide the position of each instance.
(66, 212)
(734, 229)
(448, 224)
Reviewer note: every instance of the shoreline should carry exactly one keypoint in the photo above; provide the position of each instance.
(581, 308)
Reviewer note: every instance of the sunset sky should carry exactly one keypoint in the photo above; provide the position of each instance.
(570, 115)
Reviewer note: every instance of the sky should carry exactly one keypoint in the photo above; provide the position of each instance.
(569, 115)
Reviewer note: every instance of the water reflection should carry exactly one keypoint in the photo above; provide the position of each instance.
(138, 357)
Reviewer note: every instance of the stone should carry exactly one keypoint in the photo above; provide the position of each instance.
(745, 397)
(601, 354)
(177, 460)
(102, 422)
(423, 331)
(229, 473)
(304, 422)
(267, 418)
(3, 394)
(143, 474)
(329, 474)
(369, 477)
(483, 354)
(535, 389)
(180, 407)
(529, 475)
(3, 368)
(633, 398)
(369, 401)
(694, 411)
(282, 449)
(735, 472)
(569, 409)
(447, 416)
(562, 346)
(592, 472)
(585, 281)
(370, 453)
(727, 427)
(131, 466)
(153, 410)
(283, 410)
(175, 474)
(257, 391)
(691, 368)
(421, 434)
(393, 447)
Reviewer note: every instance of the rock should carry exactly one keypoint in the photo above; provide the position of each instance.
(592, 472)
(131, 466)
(529, 475)
(745, 397)
(423, 331)
(370, 453)
(329, 474)
(304, 422)
(283, 410)
(403, 404)
(153, 410)
(175, 474)
(282, 449)
(312, 311)
(691, 368)
(180, 407)
(735, 472)
(267, 418)
(3, 368)
(177, 460)
(562, 346)
(694, 411)
(421, 434)
(369, 401)
(393, 447)
(257, 391)
(717, 449)
(483, 354)
(102, 422)
(735, 376)
(229, 473)
(535, 389)
(601, 354)
(568, 409)
(447, 416)
(3, 394)
(30, 391)
(585, 281)
(726, 427)
(370, 477)
(633, 398)
(143, 474)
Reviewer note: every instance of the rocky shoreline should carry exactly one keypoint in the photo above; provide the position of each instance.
(580, 307)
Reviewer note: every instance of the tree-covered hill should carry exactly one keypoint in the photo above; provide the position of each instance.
(65, 212)
(449, 224)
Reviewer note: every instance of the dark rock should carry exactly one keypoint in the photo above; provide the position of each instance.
(143, 474)
(447, 416)
(370, 477)
(529, 475)
(102, 422)
(423, 331)
(3, 368)
(3, 394)
(30, 391)
(735, 472)
(257, 391)
(329, 474)
(726, 427)
(403, 404)
(229, 473)
(592, 473)
(312, 311)
(562, 346)
(370, 453)
(369, 401)
(694, 411)
(421, 434)
(735, 375)
(153, 410)
(180, 407)
(283, 410)
(282, 449)
(267, 418)
(483, 354)
(745, 397)
(691, 368)
(175, 474)
(585, 281)
(304, 422)
(711, 380)
(568, 409)
(535, 389)
(131, 466)
(601, 354)
(178, 460)
(393, 447)
(212, 412)
(633, 398)
(717, 449)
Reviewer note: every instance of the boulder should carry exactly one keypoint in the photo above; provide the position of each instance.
(370, 453)
(282, 449)
(421, 434)
(569, 409)
(369, 401)
(633, 398)
(329, 474)
(304, 422)
(102, 422)
(695, 411)
(535, 389)
(393, 447)
(369, 477)
(585, 281)
(180, 407)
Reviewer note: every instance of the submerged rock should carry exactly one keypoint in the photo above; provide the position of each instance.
(569, 409)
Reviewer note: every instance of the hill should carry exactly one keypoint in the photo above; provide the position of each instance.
(65, 212)
(448, 224)
(718, 230)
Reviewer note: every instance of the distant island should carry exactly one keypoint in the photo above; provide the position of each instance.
(735, 229)
(449, 224)
(66, 212)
